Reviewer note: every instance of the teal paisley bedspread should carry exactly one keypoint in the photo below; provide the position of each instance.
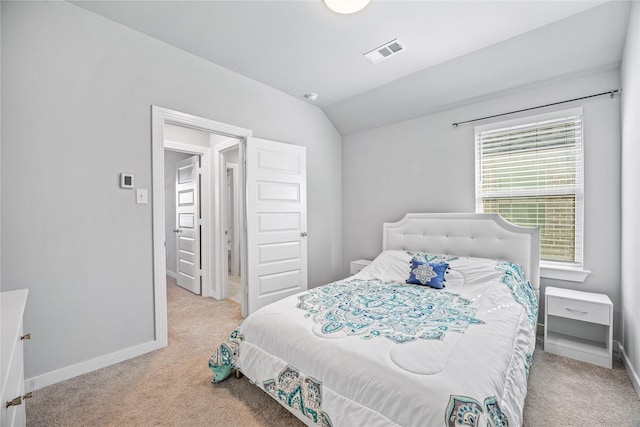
(399, 312)
(374, 309)
(225, 359)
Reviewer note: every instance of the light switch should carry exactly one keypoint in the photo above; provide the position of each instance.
(141, 196)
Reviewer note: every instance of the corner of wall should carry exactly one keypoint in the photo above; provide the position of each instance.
(631, 372)
(0, 146)
(630, 232)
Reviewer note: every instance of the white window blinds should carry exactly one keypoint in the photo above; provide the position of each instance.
(530, 172)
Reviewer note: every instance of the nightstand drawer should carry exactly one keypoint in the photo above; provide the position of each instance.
(579, 310)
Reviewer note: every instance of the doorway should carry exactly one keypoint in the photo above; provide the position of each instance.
(271, 184)
(231, 280)
(232, 226)
(187, 195)
(187, 192)
(183, 222)
(221, 137)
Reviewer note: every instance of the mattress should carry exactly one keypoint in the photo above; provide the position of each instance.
(373, 350)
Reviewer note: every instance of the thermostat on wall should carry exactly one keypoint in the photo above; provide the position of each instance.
(126, 180)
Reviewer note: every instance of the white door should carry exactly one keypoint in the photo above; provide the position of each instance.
(276, 221)
(188, 223)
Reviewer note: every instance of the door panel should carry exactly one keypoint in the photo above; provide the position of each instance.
(188, 226)
(280, 221)
(276, 221)
(278, 252)
(279, 191)
(278, 282)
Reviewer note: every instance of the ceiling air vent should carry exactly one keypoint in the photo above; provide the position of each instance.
(386, 50)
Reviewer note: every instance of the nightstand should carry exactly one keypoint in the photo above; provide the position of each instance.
(579, 325)
(357, 265)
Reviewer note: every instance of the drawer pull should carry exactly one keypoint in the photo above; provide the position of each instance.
(576, 311)
(15, 402)
(25, 337)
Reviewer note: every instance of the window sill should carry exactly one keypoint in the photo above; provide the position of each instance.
(560, 272)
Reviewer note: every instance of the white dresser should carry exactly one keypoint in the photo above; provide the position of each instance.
(12, 305)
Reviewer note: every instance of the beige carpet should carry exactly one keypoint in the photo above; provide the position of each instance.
(171, 387)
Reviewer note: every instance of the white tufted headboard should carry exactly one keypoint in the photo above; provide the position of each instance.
(467, 234)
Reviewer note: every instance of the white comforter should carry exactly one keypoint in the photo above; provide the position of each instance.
(397, 354)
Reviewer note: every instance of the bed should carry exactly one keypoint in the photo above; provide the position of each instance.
(374, 350)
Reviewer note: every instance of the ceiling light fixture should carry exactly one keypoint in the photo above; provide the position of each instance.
(346, 6)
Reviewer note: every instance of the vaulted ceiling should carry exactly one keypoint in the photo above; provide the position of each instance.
(456, 51)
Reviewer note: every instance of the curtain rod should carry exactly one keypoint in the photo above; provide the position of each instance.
(611, 93)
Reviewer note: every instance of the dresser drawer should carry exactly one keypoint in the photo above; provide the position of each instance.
(12, 305)
(579, 310)
(11, 416)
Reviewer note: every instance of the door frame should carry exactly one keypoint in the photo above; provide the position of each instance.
(222, 263)
(160, 116)
(235, 200)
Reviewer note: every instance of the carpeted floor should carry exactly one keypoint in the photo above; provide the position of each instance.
(566, 392)
(172, 386)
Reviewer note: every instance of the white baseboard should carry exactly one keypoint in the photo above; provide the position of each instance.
(633, 375)
(172, 274)
(40, 381)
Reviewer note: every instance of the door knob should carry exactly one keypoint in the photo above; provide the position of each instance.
(177, 230)
(303, 234)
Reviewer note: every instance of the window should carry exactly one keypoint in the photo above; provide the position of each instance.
(530, 172)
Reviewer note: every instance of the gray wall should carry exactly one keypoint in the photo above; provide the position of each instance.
(427, 165)
(630, 298)
(1, 148)
(77, 91)
(170, 160)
